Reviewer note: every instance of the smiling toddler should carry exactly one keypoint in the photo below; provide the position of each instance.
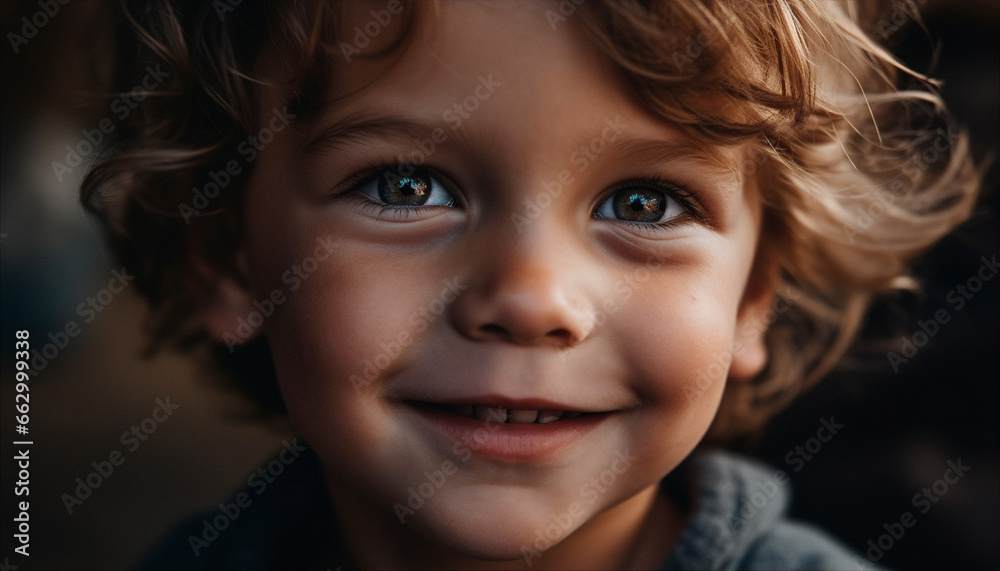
(512, 269)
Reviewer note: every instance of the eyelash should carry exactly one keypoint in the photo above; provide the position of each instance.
(368, 206)
(349, 190)
(679, 192)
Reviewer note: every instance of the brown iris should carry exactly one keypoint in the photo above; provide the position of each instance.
(639, 205)
(412, 190)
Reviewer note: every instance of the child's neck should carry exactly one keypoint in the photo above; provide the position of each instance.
(637, 534)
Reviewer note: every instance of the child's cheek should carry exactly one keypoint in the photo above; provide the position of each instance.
(679, 357)
(338, 334)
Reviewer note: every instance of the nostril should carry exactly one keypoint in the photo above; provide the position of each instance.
(561, 334)
(494, 330)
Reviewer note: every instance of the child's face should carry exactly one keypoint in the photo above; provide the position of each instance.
(503, 274)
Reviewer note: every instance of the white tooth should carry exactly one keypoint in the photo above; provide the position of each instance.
(572, 414)
(464, 410)
(548, 416)
(522, 416)
(491, 413)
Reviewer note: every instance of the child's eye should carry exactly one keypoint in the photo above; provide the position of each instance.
(643, 202)
(406, 187)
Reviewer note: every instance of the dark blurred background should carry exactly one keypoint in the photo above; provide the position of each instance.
(900, 428)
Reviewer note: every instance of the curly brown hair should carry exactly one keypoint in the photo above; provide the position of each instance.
(860, 168)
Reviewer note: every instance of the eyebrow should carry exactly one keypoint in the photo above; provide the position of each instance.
(354, 130)
(350, 131)
(661, 150)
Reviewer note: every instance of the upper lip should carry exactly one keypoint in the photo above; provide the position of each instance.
(498, 401)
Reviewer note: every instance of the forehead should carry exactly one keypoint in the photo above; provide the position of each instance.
(491, 73)
(461, 39)
(441, 56)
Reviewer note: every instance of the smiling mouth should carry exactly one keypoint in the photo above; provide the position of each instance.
(508, 434)
(505, 415)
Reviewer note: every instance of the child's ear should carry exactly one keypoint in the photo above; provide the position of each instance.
(750, 352)
(224, 299)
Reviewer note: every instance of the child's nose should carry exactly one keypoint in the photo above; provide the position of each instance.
(526, 296)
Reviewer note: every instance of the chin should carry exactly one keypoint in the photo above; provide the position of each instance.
(489, 532)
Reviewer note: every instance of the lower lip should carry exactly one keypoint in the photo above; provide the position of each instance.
(511, 442)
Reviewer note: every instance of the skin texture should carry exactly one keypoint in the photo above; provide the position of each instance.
(556, 304)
